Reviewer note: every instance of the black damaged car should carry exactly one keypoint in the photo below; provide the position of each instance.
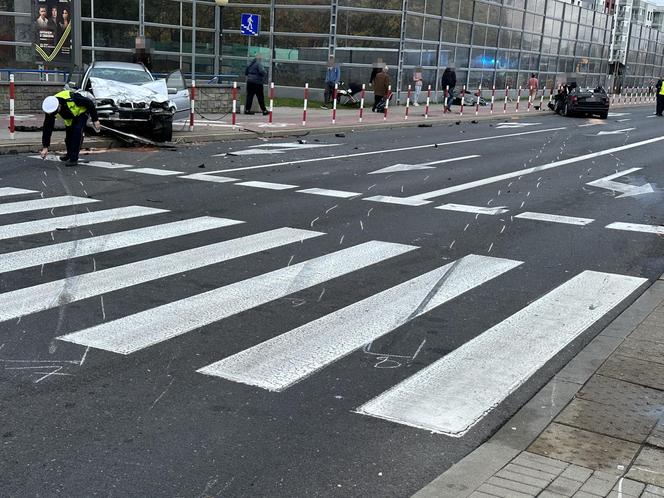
(572, 100)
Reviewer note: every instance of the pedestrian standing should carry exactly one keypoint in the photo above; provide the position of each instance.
(73, 109)
(332, 78)
(381, 87)
(255, 74)
(375, 70)
(417, 80)
(533, 86)
(448, 82)
(659, 87)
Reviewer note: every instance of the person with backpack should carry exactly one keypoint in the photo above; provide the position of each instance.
(255, 73)
(448, 82)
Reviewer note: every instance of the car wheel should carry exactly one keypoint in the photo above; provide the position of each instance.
(603, 115)
(163, 129)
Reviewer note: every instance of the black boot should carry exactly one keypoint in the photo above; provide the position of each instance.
(64, 158)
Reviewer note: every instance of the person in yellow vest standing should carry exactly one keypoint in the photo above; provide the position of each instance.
(74, 109)
(660, 97)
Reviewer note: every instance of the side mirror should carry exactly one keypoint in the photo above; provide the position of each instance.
(73, 85)
(172, 91)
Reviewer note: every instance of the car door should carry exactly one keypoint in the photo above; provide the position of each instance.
(178, 93)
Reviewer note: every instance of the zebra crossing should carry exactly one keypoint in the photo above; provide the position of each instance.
(450, 396)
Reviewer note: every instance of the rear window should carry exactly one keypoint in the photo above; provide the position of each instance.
(122, 75)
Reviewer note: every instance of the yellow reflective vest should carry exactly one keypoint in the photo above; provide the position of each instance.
(661, 89)
(75, 109)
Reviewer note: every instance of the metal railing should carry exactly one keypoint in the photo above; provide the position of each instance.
(36, 75)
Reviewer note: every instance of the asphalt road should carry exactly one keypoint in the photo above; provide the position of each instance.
(103, 333)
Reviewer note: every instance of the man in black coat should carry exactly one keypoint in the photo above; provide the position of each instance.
(448, 82)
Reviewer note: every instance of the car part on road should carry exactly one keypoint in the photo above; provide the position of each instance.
(125, 136)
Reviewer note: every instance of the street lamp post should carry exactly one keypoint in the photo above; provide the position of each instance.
(219, 34)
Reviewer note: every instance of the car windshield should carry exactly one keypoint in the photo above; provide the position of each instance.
(130, 76)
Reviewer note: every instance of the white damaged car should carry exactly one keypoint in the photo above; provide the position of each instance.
(129, 98)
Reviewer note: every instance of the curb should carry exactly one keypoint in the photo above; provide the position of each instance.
(464, 477)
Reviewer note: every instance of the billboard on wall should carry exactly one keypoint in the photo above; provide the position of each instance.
(53, 28)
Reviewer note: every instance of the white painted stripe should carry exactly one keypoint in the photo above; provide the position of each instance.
(61, 292)
(387, 151)
(536, 169)
(75, 220)
(648, 117)
(329, 193)
(103, 243)
(48, 203)
(474, 209)
(135, 332)
(554, 218)
(635, 227)
(97, 164)
(205, 177)
(404, 201)
(623, 120)
(267, 185)
(590, 124)
(7, 191)
(456, 392)
(280, 362)
(156, 172)
(410, 167)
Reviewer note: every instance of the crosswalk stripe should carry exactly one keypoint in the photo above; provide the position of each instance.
(75, 221)
(48, 203)
(402, 201)
(555, 218)
(490, 211)
(267, 185)
(97, 164)
(68, 290)
(7, 191)
(454, 393)
(636, 227)
(156, 171)
(135, 332)
(280, 362)
(329, 193)
(84, 247)
(209, 178)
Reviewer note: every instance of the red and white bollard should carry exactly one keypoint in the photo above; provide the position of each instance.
(192, 105)
(234, 94)
(334, 103)
(477, 103)
(493, 97)
(12, 99)
(362, 102)
(507, 92)
(530, 98)
(305, 103)
(426, 108)
(269, 117)
(407, 102)
(518, 99)
(551, 95)
(463, 99)
(542, 99)
(387, 101)
(447, 96)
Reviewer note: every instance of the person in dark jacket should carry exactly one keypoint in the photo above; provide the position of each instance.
(448, 82)
(73, 109)
(255, 74)
(659, 88)
(381, 87)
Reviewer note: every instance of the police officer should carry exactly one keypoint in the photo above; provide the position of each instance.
(73, 108)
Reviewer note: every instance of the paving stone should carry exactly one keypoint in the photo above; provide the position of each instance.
(615, 494)
(514, 486)
(501, 492)
(643, 373)
(478, 494)
(656, 437)
(597, 486)
(642, 349)
(618, 420)
(549, 494)
(654, 490)
(651, 329)
(630, 487)
(564, 486)
(531, 481)
(583, 494)
(540, 462)
(584, 448)
(577, 473)
(601, 389)
(527, 471)
(648, 467)
(611, 475)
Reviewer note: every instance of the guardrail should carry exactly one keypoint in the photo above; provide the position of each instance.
(37, 75)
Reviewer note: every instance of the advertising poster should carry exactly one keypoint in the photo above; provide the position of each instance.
(53, 28)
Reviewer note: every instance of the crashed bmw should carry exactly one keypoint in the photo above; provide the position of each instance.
(129, 98)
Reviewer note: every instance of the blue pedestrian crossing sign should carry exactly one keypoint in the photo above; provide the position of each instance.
(250, 24)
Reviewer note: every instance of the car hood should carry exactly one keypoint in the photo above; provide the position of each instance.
(155, 91)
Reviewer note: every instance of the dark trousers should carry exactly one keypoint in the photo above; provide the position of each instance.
(329, 91)
(257, 90)
(660, 104)
(74, 135)
(377, 99)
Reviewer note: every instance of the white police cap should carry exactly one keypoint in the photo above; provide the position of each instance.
(50, 105)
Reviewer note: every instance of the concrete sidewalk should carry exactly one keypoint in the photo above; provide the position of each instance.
(596, 429)
(286, 121)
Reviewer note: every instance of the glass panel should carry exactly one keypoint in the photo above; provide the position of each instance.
(374, 25)
(301, 48)
(204, 16)
(117, 9)
(434, 6)
(290, 21)
(290, 74)
(114, 35)
(163, 39)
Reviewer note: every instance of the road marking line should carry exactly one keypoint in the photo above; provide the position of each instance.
(474, 209)
(274, 148)
(387, 151)
(589, 124)
(284, 360)
(155, 171)
(8, 191)
(48, 203)
(141, 330)
(97, 164)
(554, 218)
(41, 297)
(648, 117)
(84, 247)
(527, 171)
(404, 201)
(618, 114)
(410, 167)
(614, 132)
(329, 193)
(456, 392)
(75, 221)
(635, 227)
(623, 120)
(267, 185)
(204, 177)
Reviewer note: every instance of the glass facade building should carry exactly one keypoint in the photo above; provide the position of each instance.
(487, 42)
